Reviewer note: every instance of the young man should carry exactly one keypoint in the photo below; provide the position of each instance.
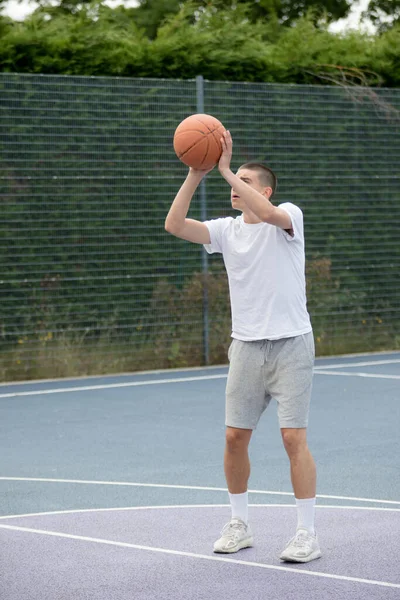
(272, 351)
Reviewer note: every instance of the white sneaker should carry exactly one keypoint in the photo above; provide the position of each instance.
(234, 536)
(302, 548)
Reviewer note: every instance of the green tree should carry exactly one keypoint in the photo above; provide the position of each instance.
(286, 11)
(151, 14)
(221, 45)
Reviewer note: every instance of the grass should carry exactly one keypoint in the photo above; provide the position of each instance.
(70, 356)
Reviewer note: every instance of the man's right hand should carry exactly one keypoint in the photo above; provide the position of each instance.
(177, 222)
(200, 172)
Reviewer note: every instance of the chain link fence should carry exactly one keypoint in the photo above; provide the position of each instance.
(90, 281)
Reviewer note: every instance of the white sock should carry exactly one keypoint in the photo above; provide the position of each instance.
(239, 506)
(306, 514)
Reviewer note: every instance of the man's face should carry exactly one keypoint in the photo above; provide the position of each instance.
(251, 178)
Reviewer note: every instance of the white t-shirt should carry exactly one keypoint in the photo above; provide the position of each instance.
(266, 274)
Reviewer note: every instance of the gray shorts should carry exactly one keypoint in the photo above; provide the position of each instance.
(261, 370)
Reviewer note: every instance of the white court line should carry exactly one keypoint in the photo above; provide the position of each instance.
(347, 374)
(186, 369)
(186, 487)
(173, 506)
(360, 364)
(319, 370)
(108, 386)
(200, 556)
(126, 374)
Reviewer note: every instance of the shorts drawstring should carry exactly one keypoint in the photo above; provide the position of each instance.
(266, 347)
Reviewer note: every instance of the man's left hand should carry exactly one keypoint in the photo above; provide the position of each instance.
(226, 156)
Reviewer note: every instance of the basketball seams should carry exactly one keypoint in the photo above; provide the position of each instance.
(212, 132)
(216, 126)
(205, 137)
(208, 146)
(180, 133)
(216, 145)
(217, 139)
(208, 132)
(188, 149)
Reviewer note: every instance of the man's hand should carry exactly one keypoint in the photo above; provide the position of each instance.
(200, 172)
(226, 156)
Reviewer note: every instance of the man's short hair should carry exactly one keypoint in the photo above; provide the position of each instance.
(266, 175)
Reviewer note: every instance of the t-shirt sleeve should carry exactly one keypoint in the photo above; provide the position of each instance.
(216, 228)
(296, 217)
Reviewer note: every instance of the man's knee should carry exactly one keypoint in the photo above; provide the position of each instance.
(294, 440)
(237, 439)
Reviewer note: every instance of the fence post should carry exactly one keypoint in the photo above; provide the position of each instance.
(204, 255)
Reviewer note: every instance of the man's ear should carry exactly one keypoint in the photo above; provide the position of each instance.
(268, 192)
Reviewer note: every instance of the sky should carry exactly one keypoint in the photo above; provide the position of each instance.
(19, 10)
(352, 21)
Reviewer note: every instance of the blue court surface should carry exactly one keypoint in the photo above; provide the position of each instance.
(112, 488)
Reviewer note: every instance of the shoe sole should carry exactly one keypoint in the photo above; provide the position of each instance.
(312, 556)
(243, 544)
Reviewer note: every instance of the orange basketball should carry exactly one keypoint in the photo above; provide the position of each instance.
(197, 141)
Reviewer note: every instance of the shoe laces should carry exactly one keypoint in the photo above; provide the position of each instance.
(233, 528)
(302, 539)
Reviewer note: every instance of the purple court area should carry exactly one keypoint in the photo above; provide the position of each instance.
(166, 553)
(121, 441)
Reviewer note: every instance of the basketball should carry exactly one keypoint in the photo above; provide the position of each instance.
(197, 141)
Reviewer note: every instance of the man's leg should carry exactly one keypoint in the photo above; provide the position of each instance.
(236, 459)
(246, 400)
(236, 534)
(302, 465)
(304, 546)
(237, 470)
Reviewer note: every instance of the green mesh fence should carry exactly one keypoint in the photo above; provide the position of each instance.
(91, 282)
